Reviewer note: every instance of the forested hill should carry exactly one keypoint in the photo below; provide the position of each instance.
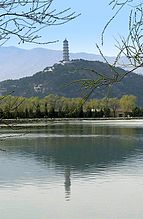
(58, 80)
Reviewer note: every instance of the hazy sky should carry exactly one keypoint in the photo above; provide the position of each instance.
(85, 31)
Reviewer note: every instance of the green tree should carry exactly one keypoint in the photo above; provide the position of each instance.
(127, 103)
(8, 104)
(113, 104)
(51, 104)
(137, 112)
(33, 106)
(77, 107)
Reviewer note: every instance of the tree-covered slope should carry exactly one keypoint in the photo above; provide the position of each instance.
(59, 79)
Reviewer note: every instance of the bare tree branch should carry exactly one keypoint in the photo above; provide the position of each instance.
(131, 47)
(25, 19)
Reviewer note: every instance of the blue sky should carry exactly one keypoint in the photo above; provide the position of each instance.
(85, 31)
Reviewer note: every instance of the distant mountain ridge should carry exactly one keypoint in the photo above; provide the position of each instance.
(59, 79)
(16, 63)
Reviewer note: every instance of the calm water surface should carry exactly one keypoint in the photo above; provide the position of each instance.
(72, 170)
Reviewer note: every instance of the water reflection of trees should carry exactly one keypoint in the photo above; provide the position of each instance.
(104, 148)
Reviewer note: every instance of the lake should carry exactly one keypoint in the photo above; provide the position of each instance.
(72, 170)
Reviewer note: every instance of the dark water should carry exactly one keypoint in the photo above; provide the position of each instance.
(79, 170)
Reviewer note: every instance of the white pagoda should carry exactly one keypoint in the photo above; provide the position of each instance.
(66, 51)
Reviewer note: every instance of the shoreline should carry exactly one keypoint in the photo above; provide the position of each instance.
(44, 122)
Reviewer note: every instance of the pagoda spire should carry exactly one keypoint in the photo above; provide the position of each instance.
(66, 51)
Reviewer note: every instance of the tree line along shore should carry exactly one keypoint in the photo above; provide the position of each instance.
(53, 106)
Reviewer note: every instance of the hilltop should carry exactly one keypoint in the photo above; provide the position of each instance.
(14, 61)
(57, 80)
